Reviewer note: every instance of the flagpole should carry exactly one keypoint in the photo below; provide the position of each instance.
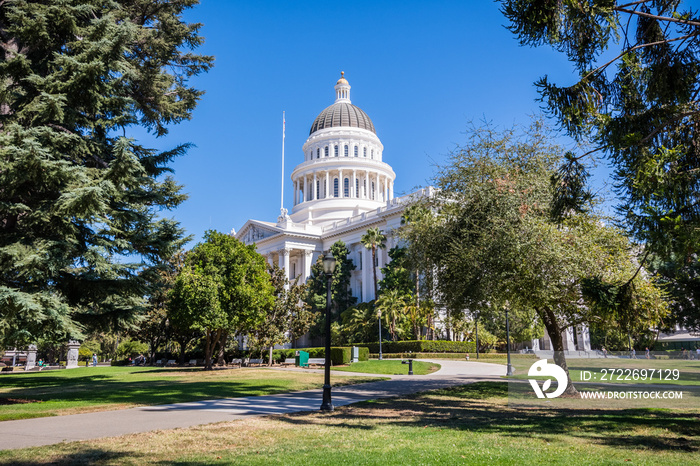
(282, 194)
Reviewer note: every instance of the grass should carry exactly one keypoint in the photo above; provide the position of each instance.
(389, 367)
(463, 425)
(689, 370)
(80, 390)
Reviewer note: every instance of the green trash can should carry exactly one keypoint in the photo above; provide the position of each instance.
(301, 359)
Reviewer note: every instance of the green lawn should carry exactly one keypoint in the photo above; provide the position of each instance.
(464, 425)
(688, 370)
(388, 366)
(38, 394)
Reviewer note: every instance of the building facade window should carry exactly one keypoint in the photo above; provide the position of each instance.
(371, 193)
(336, 151)
(318, 189)
(346, 150)
(335, 187)
(326, 151)
(318, 153)
(356, 151)
(364, 188)
(357, 187)
(364, 152)
(372, 154)
(346, 187)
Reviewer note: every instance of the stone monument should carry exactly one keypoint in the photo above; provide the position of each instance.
(72, 359)
(31, 358)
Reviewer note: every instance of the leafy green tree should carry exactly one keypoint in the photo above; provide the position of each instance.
(640, 108)
(79, 199)
(374, 239)
(341, 294)
(393, 304)
(285, 313)
(359, 323)
(223, 287)
(397, 275)
(495, 243)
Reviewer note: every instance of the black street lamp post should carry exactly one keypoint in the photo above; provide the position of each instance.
(509, 372)
(328, 269)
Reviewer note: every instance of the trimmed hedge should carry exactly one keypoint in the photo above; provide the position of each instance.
(364, 353)
(423, 346)
(339, 354)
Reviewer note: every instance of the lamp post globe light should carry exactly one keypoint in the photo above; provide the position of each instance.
(328, 269)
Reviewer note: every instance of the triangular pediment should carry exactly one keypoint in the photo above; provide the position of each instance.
(255, 230)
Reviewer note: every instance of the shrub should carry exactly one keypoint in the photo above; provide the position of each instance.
(364, 353)
(423, 346)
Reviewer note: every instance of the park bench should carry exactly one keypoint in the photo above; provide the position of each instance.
(237, 361)
(291, 361)
(254, 361)
(171, 362)
(193, 362)
(317, 361)
(159, 362)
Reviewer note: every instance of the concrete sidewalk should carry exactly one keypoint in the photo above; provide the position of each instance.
(50, 430)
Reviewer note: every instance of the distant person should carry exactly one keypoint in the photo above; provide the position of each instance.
(605, 352)
(94, 359)
(646, 352)
(633, 354)
(697, 353)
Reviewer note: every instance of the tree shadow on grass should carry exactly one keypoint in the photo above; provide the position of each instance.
(472, 412)
(83, 457)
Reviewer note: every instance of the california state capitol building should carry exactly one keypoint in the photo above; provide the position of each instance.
(342, 188)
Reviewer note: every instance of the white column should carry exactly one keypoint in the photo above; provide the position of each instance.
(391, 189)
(340, 183)
(354, 182)
(270, 259)
(284, 262)
(296, 191)
(325, 193)
(368, 185)
(307, 256)
(367, 286)
(314, 196)
(386, 188)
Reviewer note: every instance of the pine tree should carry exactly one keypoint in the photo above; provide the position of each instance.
(80, 236)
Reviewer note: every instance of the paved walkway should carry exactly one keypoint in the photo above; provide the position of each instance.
(50, 430)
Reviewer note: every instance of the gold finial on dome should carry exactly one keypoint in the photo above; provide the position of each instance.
(342, 79)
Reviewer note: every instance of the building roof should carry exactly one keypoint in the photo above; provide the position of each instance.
(342, 114)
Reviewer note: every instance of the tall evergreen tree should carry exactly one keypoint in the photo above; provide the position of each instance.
(639, 107)
(341, 294)
(80, 235)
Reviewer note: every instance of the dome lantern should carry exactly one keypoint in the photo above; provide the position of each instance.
(342, 89)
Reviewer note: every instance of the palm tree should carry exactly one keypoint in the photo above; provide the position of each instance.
(373, 239)
(393, 304)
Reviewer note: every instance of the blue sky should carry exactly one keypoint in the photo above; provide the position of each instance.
(421, 71)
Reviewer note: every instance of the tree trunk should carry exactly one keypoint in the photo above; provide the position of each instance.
(269, 363)
(212, 339)
(222, 348)
(374, 269)
(554, 331)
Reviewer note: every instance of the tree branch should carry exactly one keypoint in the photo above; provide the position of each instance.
(660, 18)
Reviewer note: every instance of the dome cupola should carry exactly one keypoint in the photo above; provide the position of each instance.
(342, 112)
